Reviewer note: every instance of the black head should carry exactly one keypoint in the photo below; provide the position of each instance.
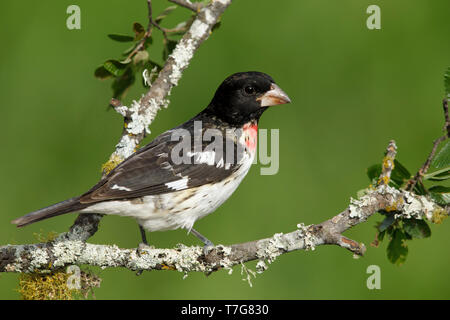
(244, 96)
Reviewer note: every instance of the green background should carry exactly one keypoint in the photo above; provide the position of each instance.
(352, 90)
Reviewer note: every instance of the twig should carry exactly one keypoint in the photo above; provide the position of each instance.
(447, 118)
(147, 33)
(175, 30)
(423, 170)
(388, 163)
(161, 29)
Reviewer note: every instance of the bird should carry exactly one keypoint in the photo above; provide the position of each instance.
(186, 172)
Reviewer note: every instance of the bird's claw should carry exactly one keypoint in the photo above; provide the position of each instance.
(208, 247)
(142, 247)
(140, 251)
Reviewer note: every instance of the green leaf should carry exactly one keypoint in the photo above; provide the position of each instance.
(386, 223)
(138, 30)
(390, 231)
(165, 13)
(374, 172)
(439, 189)
(148, 41)
(419, 189)
(116, 68)
(441, 198)
(397, 249)
(400, 174)
(169, 45)
(442, 175)
(121, 84)
(416, 228)
(101, 73)
(127, 60)
(128, 51)
(140, 57)
(381, 235)
(440, 194)
(121, 37)
(442, 159)
(447, 82)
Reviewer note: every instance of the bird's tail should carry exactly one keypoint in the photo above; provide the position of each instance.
(57, 209)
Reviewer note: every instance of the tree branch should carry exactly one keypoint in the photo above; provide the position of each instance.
(62, 252)
(388, 163)
(423, 170)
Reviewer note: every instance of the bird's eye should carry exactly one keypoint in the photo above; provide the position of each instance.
(250, 90)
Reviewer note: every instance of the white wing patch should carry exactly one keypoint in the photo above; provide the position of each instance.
(220, 163)
(120, 188)
(208, 157)
(178, 184)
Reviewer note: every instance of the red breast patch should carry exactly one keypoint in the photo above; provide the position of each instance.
(251, 135)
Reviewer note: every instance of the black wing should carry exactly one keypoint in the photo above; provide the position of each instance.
(151, 170)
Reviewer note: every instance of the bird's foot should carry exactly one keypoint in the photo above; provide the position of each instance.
(208, 247)
(140, 251)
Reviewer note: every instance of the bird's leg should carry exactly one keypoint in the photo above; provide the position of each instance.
(143, 245)
(208, 245)
(144, 237)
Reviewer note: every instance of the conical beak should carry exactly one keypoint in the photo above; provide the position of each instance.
(274, 97)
